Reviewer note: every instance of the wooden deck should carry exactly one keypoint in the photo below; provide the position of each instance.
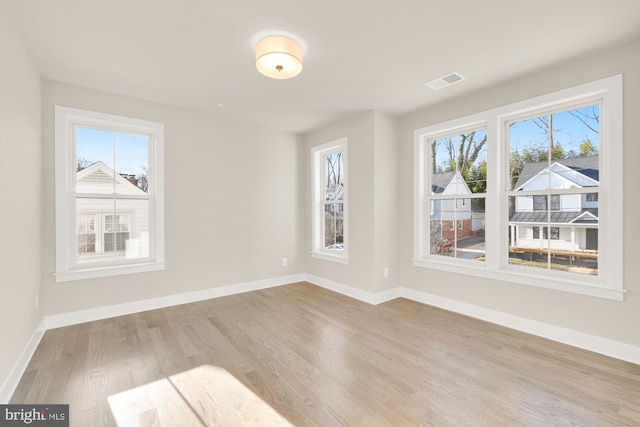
(569, 255)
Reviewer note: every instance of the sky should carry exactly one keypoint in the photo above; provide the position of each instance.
(568, 130)
(129, 152)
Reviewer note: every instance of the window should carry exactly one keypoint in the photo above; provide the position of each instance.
(86, 233)
(116, 233)
(540, 202)
(544, 177)
(329, 216)
(109, 195)
(458, 170)
(555, 232)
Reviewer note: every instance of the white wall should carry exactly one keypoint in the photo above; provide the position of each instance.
(386, 202)
(21, 193)
(372, 201)
(358, 130)
(232, 196)
(603, 318)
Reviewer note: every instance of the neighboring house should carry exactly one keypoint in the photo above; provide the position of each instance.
(109, 226)
(563, 222)
(450, 218)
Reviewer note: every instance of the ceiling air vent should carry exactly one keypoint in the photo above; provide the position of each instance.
(446, 80)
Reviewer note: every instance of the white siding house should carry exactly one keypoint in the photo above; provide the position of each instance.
(562, 222)
(453, 213)
(113, 218)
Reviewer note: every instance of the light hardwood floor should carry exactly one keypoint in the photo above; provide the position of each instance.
(304, 356)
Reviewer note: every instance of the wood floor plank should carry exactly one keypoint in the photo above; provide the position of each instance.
(300, 355)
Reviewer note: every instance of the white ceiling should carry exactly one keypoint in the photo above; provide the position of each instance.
(361, 54)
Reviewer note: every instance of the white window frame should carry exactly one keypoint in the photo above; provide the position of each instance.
(609, 281)
(318, 202)
(67, 267)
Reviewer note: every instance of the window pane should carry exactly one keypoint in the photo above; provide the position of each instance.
(112, 229)
(94, 161)
(93, 145)
(90, 229)
(555, 150)
(333, 169)
(459, 163)
(86, 236)
(117, 223)
(564, 240)
(132, 162)
(131, 228)
(334, 226)
(333, 176)
(109, 162)
(457, 228)
(539, 203)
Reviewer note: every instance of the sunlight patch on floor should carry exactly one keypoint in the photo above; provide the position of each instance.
(203, 396)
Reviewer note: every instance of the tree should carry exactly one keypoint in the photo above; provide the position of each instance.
(462, 152)
(334, 170)
(478, 178)
(587, 149)
(83, 163)
(143, 181)
(588, 116)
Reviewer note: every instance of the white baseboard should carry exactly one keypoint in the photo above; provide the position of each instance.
(582, 340)
(350, 291)
(10, 384)
(571, 337)
(98, 313)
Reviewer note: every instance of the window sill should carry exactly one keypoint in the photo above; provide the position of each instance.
(329, 257)
(580, 285)
(93, 273)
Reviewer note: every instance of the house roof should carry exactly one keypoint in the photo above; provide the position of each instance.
(439, 181)
(99, 178)
(588, 166)
(586, 216)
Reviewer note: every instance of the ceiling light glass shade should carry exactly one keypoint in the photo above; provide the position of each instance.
(279, 57)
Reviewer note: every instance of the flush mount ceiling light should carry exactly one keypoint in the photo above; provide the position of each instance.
(279, 57)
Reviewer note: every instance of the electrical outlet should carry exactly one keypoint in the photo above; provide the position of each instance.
(386, 272)
(37, 300)
(284, 262)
